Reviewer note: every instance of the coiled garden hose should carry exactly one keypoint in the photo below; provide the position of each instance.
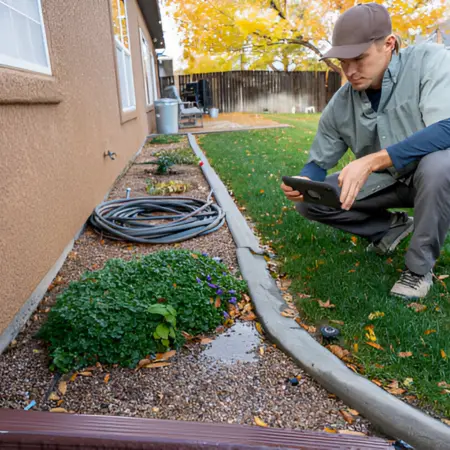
(175, 219)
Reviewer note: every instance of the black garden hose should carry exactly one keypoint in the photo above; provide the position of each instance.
(178, 219)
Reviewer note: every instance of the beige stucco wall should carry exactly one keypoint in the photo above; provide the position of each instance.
(53, 133)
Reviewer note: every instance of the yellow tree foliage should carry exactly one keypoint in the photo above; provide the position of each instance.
(219, 35)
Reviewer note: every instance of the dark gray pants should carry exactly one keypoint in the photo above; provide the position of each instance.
(428, 194)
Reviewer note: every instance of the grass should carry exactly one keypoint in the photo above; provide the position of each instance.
(329, 264)
(167, 139)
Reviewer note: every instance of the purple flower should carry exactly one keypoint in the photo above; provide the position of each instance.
(226, 315)
(233, 300)
(224, 273)
(232, 291)
(208, 277)
(214, 286)
(198, 280)
(205, 254)
(219, 292)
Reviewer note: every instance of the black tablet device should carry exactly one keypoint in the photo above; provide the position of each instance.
(314, 191)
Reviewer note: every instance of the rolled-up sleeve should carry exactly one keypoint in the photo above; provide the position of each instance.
(435, 84)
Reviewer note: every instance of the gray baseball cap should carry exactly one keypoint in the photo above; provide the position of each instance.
(357, 29)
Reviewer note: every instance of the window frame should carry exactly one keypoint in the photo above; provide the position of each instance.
(15, 63)
(152, 89)
(121, 60)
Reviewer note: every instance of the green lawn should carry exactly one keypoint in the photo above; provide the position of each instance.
(331, 265)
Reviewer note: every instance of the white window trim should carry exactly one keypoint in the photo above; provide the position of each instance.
(128, 52)
(153, 92)
(17, 63)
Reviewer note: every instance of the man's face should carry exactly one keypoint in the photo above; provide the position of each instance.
(367, 70)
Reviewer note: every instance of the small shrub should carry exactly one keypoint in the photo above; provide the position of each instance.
(130, 309)
(168, 158)
(165, 188)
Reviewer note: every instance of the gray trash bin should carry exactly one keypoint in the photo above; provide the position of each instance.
(166, 110)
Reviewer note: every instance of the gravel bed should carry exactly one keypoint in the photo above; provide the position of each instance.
(193, 387)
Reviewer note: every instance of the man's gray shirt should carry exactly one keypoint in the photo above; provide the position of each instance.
(415, 94)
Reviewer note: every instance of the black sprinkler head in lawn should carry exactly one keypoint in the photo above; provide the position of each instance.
(329, 332)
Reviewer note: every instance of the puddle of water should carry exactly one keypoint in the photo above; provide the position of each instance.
(236, 344)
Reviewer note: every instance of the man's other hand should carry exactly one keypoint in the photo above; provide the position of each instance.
(352, 178)
(290, 194)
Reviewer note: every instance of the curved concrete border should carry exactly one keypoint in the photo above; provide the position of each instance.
(393, 416)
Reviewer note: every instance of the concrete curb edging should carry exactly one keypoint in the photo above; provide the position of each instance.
(393, 416)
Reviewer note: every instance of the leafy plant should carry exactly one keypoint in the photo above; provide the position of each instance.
(168, 158)
(131, 309)
(166, 139)
(168, 187)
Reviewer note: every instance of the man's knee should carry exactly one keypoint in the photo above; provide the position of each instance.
(434, 168)
(310, 211)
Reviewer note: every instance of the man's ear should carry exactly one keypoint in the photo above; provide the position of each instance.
(392, 43)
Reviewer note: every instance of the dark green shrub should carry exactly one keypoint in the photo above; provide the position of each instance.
(130, 309)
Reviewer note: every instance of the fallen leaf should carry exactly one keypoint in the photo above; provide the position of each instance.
(418, 307)
(377, 382)
(352, 367)
(445, 391)
(107, 377)
(303, 295)
(261, 351)
(73, 377)
(187, 336)
(260, 422)
(375, 345)
(261, 191)
(443, 384)
(389, 261)
(352, 433)
(288, 313)
(250, 316)
(59, 410)
(405, 354)
(205, 341)
(62, 387)
(54, 397)
(427, 332)
(165, 356)
(85, 374)
(446, 421)
(339, 322)
(259, 328)
(371, 335)
(194, 255)
(353, 412)
(329, 430)
(354, 240)
(443, 354)
(285, 284)
(326, 304)
(394, 389)
(155, 409)
(443, 277)
(218, 302)
(376, 315)
(338, 351)
(59, 402)
(142, 363)
(347, 417)
(408, 382)
(308, 328)
(355, 348)
(157, 365)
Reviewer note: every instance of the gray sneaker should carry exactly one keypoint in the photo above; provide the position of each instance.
(413, 286)
(400, 228)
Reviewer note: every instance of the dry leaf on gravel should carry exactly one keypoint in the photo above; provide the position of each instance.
(417, 307)
(405, 354)
(248, 317)
(107, 377)
(260, 422)
(59, 410)
(205, 341)
(352, 433)
(73, 377)
(261, 351)
(259, 328)
(326, 304)
(165, 356)
(142, 363)
(353, 412)
(157, 365)
(54, 397)
(62, 387)
(85, 374)
(375, 345)
(329, 430)
(347, 416)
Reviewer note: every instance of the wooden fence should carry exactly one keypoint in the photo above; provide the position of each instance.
(264, 91)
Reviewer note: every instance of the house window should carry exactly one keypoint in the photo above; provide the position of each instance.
(22, 36)
(148, 63)
(122, 41)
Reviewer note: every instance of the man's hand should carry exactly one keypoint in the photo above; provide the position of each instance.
(354, 175)
(295, 196)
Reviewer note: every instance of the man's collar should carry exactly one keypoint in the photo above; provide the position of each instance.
(394, 67)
